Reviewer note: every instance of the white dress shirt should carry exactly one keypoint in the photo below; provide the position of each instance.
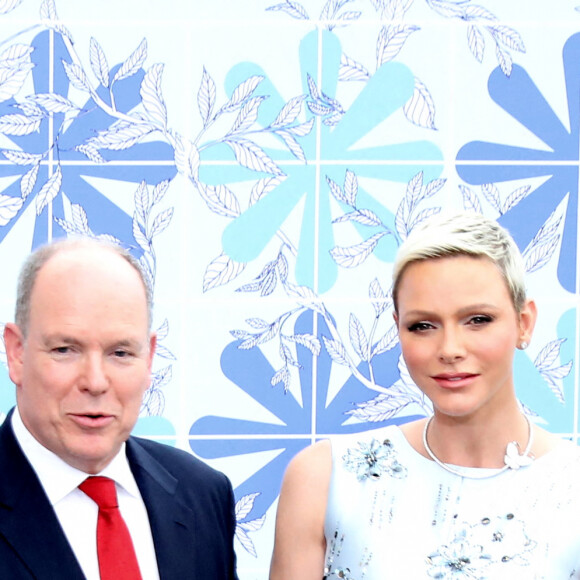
(77, 512)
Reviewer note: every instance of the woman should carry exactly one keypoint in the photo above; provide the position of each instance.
(476, 490)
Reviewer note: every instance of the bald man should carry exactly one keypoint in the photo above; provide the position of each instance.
(80, 354)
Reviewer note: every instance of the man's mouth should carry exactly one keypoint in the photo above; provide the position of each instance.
(92, 420)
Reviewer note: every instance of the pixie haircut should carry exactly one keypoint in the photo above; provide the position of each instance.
(463, 234)
(37, 259)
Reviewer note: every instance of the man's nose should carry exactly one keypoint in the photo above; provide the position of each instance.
(94, 377)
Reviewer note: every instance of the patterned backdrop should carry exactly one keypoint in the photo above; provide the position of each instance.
(264, 160)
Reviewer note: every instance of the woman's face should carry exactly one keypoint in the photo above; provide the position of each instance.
(458, 330)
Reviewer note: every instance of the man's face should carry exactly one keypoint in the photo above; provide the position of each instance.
(85, 364)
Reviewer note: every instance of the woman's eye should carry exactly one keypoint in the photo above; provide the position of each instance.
(420, 326)
(480, 319)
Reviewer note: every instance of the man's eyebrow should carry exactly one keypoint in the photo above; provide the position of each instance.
(130, 342)
(50, 339)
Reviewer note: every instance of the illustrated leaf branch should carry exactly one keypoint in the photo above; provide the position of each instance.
(244, 527)
(491, 193)
(365, 348)
(221, 199)
(553, 373)
(408, 216)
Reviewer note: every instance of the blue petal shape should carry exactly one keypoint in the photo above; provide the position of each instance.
(251, 371)
(520, 98)
(104, 216)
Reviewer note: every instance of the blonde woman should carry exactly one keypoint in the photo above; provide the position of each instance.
(475, 491)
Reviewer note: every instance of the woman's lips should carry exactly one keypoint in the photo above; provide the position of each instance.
(454, 380)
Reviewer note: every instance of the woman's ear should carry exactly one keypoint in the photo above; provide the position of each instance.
(528, 316)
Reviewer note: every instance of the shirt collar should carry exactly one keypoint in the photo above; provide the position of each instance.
(57, 477)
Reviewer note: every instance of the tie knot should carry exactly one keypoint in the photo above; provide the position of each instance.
(101, 490)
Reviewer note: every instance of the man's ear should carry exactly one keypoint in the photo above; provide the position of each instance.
(152, 345)
(14, 345)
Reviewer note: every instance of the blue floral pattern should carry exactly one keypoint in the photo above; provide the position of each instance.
(296, 159)
(483, 163)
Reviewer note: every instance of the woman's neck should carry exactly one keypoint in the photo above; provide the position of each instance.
(477, 441)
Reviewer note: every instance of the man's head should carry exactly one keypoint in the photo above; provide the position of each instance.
(40, 256)
(80, 352)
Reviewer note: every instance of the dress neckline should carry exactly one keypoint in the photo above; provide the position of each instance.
(543, 459)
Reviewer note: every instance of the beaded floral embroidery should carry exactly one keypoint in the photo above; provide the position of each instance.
(475, 548)
(333, 552)
(458, 559)
(334, 549)
(342, 573)
(371, 460)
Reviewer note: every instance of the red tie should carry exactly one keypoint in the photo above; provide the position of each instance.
(114, 546)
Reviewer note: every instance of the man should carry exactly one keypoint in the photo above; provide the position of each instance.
(80, 355)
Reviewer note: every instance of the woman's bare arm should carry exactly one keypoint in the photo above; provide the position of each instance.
(300, 546)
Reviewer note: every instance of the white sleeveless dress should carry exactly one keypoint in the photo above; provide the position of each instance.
(393, 514)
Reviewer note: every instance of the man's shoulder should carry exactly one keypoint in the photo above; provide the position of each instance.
(178, 462)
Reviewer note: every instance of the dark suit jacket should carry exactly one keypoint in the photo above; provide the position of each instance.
(190, 507)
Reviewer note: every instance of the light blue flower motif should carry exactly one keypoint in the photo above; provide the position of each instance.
(328, 153)
(371, 460)
(481, 163)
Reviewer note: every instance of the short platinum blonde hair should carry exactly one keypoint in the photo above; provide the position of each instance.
(39, 257)
(464, 234)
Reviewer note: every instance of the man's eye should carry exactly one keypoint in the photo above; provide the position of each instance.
(61, 349)
(122, 353)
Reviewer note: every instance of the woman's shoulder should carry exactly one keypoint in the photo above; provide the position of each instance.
(551, 449)
(309, 470)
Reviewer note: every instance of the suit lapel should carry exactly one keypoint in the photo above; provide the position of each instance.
(172, 522)
(27, 520)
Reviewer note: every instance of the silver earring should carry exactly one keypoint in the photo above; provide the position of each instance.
(523, 345)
